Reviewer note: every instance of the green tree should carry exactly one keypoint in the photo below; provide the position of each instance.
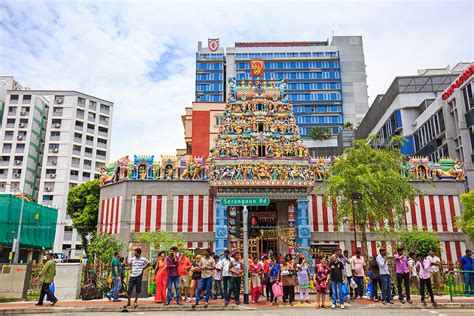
(419, 241)
(83, 207)
(348, 125)
(376, 175)
(103, 247)
(320, 133)
(465, 221)
(163, 241)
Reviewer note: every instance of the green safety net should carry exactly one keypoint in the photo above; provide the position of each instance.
(38, 227)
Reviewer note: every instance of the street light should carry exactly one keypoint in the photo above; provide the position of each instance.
(16, 244)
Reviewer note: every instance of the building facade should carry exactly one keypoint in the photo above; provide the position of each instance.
(436, 124)
(259, 155)
(51, 142)
(326, 80)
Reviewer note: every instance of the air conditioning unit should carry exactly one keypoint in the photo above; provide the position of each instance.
(22, 125)
(17, 175)
(18, 162)
(59, 101)
(57, 125)
(55, 150)
(54, 162)
(53, 175)
(47, 189)
(19, 137)
(23, 113)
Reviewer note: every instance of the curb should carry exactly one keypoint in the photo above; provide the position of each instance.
(110, 309)
(420, 306)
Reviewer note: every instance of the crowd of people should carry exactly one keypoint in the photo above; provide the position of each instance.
(340, 276)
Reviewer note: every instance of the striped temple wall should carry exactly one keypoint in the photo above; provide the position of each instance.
(194, 216)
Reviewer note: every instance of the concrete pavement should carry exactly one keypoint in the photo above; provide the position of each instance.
(148, 305)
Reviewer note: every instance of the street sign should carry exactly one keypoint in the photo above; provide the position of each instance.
(245, 201)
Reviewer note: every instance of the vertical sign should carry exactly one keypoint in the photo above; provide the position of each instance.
(257, 68)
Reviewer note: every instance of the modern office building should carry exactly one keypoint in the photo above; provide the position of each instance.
(432, 110)
(326, 80)
(51, 142)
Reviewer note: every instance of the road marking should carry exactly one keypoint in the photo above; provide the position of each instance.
(433, 312)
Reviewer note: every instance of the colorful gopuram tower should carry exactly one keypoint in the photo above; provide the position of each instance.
(259, 153)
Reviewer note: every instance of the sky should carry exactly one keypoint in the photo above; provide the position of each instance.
(141, 54)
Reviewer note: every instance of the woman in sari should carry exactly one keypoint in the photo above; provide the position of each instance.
(161, 278)
(256, 270)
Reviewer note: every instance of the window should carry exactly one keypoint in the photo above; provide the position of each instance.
(68, 228)
(90, 138)
(90, 126)
(76, 148)
(100, 153)
(81, 101)
(26, 99)
(50, 171)
(53, 146)
(101, 141)
(55, 134)
(59, 99)
(74, 173)
(79, 124)
(14, 98)
(80, 113)
(78, 135)
(92, 105)
(91, 116)
(88, 150)
(104, 108)
(47, 197)
(86, 174)
(87, 162)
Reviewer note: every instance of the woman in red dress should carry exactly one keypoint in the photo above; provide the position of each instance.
(256, 270)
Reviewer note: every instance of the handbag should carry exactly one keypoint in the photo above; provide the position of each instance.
(344, 289)
(277, 289)
(52, 288)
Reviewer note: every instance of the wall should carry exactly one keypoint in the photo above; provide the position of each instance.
(200, 132)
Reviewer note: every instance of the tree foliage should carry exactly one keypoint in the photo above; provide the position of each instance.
(465, 221)
(376, 175)
(103, 247)
(348, 125)
(320, 133)
(83, 207)
(419, 241)
(163, 241)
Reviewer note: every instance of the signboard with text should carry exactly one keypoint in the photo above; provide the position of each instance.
(245, 201)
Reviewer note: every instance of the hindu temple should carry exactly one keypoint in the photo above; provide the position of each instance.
(258, 152)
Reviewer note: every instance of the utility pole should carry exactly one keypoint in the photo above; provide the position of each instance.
(356, 196)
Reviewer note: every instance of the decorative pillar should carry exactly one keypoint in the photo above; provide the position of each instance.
(221, 226)
(304, 232)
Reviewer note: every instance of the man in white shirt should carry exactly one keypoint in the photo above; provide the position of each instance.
(137, 265)
(348, 275)
(224, 265)
(413, 273)
(385, 277)
(435, 271)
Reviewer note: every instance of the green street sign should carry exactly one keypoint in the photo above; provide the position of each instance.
(245, 201)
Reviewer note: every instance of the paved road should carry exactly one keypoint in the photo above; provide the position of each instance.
(356, 311)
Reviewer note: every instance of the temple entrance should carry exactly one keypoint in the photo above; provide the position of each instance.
(271, 228)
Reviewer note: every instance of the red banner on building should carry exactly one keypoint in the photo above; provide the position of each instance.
(257, 68)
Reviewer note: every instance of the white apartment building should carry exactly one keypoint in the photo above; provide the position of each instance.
(74, 140)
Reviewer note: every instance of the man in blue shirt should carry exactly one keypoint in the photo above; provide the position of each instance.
(466, 265)
(116, 278)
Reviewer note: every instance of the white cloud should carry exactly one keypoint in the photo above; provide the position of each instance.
(108, 49)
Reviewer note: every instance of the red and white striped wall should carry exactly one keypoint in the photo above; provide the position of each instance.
(190, 213)
(433, 213)
(200, 245)
(110, 215)
(429, 212)
(321, 215)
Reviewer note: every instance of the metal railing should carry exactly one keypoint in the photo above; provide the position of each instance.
(460, 283)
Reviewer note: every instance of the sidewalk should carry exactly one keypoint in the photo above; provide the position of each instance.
(148, 304)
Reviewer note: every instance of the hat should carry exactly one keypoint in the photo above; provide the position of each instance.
(50, 254)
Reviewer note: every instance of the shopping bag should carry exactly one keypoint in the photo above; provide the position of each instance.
(370, 290)
(311, 284)
(344, 290)
(52, 288)
(353, 284)
(277, 289)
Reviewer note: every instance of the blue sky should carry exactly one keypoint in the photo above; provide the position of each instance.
(140, 54)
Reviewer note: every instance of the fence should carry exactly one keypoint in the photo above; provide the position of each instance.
(460, 283)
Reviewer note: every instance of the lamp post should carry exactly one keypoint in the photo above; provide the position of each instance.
(16, 244)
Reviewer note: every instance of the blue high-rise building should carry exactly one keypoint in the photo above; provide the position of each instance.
(326, 79)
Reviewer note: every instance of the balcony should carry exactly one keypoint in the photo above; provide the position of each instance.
(54, 138)
(4, 162)
(90, 142)
(91, 119)
(103, 122)
(101, 157)
(80, 115)
(19, 150)
(101, 145)
(76, 152)
(8, 137)
(103, 133)
(6, 150)
(3, 175)
(78, 140)
(47, 203)
(79, 128)
(86, 154)
(74, 177)
(87, 167)
(10, 125)
(11, 113)
(90, 130)
(75, 164)
(53, 150)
